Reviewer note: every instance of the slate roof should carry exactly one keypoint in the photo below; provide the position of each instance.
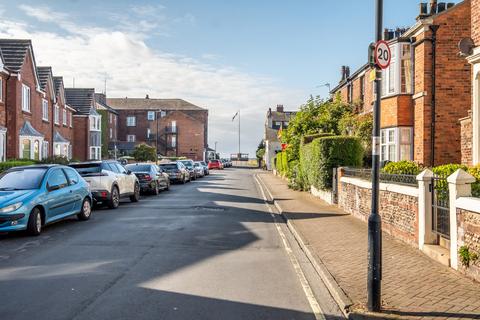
(152, 104)
(28, 130)
(102, 102)
(281, 116)
(57, 137)
(43, 73)
(81, 99)
(14, 52)
(58, 83)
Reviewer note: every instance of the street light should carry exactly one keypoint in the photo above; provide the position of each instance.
(216, 149)
(325, 85)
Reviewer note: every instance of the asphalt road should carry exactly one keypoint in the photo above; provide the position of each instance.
(206, 250)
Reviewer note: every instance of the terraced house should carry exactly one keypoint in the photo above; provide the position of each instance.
(423, 90)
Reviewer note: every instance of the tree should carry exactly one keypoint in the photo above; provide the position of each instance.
(144, 152)
(260, 150)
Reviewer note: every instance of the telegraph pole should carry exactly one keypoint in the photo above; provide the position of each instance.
(374, 301)
(239, 152)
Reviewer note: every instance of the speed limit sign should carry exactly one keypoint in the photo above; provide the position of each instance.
(383, 54)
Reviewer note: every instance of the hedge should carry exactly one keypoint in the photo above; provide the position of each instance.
(402, 167)
(15, 163)
(318, 158)
(310, 137)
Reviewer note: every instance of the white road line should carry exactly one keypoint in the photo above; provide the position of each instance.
(317, 311)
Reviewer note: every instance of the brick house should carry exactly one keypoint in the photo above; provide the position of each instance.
(176, 127)
(471, 123)
(4, 76)
(410, 114)
(110, 120)
(87, 135)
(63, 135)
(275, 120)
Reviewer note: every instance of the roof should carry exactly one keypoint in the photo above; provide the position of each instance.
(350, 78)
(151, 104)
(281, 116)
(43, 74)
(28, 130)
(58, 83)
(101, 103)
(14, 52)
(57, 137)
(81, 99)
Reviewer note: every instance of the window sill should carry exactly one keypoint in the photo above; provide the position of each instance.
(45, 120)
(27, 112)
(57, 124)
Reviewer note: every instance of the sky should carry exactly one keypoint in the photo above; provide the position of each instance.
(225, 56)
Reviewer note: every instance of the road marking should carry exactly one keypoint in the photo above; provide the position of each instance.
(317, 311)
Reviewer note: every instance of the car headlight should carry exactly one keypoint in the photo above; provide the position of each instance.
(11, 207)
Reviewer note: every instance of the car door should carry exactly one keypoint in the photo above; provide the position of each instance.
(119, 177)
(162, 182)
(75, 188)
(59, 198)
(128, 180)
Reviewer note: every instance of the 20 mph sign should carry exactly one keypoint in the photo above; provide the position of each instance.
(383, 54)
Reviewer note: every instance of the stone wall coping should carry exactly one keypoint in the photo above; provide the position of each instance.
(406, 190)
(461, 177)
(425, 175)
(468, 203)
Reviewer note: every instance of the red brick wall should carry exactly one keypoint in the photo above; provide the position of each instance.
(3, 121)
(469, 234)
(81, 136)
(475, 14)
(190, 140)
(397, 111)
(466, 140)
(399, 211)
(46, 126)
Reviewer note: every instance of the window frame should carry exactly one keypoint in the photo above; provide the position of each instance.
(45, 110)
(64, 117)
(396, 142)
(149, 113)
(26, 98)
(132, 123)
(134, 138)
(56, 114)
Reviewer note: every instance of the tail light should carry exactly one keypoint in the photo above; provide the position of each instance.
(148, 177)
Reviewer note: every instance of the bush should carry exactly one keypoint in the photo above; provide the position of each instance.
(475, 171)
(318, 159)
(402, 167)
(447, 169)
(15, 163)
(310, 137)
(144, 152)
(56, 160)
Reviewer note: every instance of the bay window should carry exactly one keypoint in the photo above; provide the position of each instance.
(95, 153)
(396, 144)
(95, 123)
(398, 77)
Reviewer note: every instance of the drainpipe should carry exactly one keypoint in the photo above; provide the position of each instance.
(434, 29)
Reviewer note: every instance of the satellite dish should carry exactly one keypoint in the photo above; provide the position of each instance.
(466, 46)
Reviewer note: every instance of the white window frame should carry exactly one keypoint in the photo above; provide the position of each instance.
(151, 115)
(110, 133)
(32, 146)
(131, 121)
(64, 117)
(110, 118)
(70, 115)
(56, 115)
(3, 145)
(45, 109)
(45, 150)
(174, 142)
(26, 98)
(131, 138)
(95, 153)
(149, 132)
(95, 123)
(393, 138)
(392, 76)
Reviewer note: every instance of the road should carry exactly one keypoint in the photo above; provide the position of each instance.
(206, 250)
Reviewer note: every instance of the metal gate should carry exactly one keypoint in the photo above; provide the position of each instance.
(440, 207)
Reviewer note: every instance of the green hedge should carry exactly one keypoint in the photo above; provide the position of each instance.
(475, 171)
(15, 163)
(310, 137)
(402, 167)
(318, 158)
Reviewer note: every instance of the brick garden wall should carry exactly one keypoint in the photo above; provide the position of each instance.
(466, 140)
(399, 211)
(469, 234)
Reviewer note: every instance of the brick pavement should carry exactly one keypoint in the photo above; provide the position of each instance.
(413, 285)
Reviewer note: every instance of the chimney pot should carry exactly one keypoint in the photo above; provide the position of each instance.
(279, 107)
(147, 97)
(433, 7)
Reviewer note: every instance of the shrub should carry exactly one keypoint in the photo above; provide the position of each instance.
(145, 152)
(447, 169)
(56, 160)
(475, 171)
(15, 163)
(402, 167)
(318, 158)
(310, 137)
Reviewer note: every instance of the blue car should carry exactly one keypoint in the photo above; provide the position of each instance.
(33, 196)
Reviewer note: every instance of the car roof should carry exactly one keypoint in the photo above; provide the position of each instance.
(167, 163)
(142, 164)
(38, 166)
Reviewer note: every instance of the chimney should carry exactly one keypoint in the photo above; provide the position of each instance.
(347, 72)
(279, 107)
(147, 97)
(433, 7)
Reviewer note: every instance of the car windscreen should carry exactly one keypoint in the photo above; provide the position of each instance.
(171, 166)
(22, 179)
(85, 169)
(187, 164)
(138, 167)
(203, 163)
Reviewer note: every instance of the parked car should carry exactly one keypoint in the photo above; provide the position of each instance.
(109, 181)
(205, 168)
(215, 164)
(200, 172)
(34, 196)
(190, 167)
(176, 171)
(150, 177)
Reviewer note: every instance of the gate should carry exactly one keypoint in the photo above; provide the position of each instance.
(440, 207)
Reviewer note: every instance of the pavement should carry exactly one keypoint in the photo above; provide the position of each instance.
(210, 249)
(413, 285)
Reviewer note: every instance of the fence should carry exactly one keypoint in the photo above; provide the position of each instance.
(366, 174)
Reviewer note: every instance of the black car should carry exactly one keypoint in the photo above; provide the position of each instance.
(176, 171)
(151, 178)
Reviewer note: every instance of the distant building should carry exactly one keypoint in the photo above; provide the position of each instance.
(276, 120)
(174, 126)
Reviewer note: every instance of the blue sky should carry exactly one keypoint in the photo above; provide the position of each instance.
(224, 55)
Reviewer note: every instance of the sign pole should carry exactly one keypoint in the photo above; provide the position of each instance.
(374, 278)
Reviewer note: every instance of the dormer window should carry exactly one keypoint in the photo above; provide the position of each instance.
(25, 98)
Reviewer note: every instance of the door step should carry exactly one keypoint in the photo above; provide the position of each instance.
(437, 253)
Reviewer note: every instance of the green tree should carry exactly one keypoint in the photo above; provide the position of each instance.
(144, 152)
(260, 150)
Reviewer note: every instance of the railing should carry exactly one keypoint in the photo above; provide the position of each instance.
(366, 174)
(171, 129)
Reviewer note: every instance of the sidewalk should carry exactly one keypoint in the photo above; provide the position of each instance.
(413, 285)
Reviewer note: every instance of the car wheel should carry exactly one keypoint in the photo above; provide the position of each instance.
(114, 201)
(34, 227)
(136, 193)
(156, 190)
(86, 210)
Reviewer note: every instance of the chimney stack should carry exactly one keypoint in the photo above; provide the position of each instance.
(279, 107)
(433, 7)
(345, 73)
(147, 97)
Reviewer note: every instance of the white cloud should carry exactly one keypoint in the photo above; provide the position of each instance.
(134, 70)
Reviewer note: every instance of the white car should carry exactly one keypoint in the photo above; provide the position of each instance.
(109, 181)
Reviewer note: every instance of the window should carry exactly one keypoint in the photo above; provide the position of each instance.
(3, 144)
(95, 153)
(26, 149)
(131, 121)
(25, 98)
(36, 150)
(131, 138)
(95, 123)
(174, 141)
(148, 133)
(45, 150)
(56, 115)
(111, 133)
(64, 121)
(57, 179)
(57, 149)
(119, 167)
(72, 175)
(110, 118)
(163, 114)
(362, 89)
(398, 77)
(174, 126)
(151, 115)
(396, 144)
(44, 110)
